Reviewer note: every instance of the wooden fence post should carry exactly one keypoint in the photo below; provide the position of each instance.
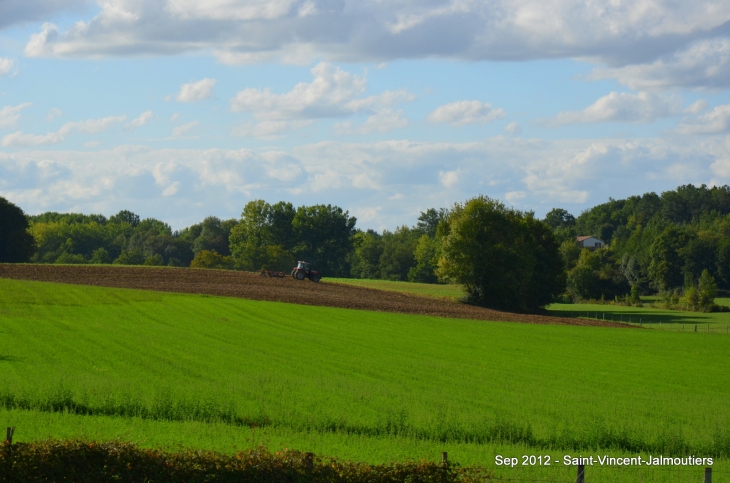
(695, 327)
(9, 435)
(445, 459)
(581, 478)
(708, 475)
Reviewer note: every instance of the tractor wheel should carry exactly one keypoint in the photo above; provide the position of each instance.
(315, 278)
(300, 275)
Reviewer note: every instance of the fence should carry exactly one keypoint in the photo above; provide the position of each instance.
(445, 472)
(661, 322)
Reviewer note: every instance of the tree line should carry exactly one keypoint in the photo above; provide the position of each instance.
(505, 258)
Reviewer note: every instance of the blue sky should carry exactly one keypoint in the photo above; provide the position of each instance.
(180, 109)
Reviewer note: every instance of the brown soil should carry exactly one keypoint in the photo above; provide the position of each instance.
(252, 286)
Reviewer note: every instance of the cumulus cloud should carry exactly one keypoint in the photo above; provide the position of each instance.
(90, 126)
(333, 93)
(622, 107)
(21, 11)
(184, 129)
(513, 128)
(6, 66)
(139, 121)
(196, 91)
(461, 113)
(244, 31)
(182, 186)
(715, 121)
(53, 113)
(704, 64)
(9, 115)
(269, 129)
(383, 120)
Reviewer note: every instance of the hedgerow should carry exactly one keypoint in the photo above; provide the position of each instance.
(116, 461)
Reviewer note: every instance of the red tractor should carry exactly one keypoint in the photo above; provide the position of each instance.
(303, 271)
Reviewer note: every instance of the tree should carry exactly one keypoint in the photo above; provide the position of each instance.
(125, 216)
(666, 264)
(324, 237)
(209, 259)
(559, 218)
(17, 245)
(367, 249)
(429, 220)
(426, 255)
(398, 258)
(505, 259)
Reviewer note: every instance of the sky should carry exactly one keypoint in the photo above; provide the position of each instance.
(182, 109)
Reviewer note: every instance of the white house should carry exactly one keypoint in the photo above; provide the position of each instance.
(589, 242)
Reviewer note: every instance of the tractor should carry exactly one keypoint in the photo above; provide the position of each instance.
(303, 271)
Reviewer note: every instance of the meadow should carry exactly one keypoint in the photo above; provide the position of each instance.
(170, 370)
(443, 291)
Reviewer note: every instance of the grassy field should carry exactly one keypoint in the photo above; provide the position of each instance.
(445, 291)
(672, 320)
(169, 369)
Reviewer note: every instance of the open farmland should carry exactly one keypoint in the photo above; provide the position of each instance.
(252, 286)
(173, 369)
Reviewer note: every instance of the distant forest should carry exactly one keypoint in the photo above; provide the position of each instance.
(655, 243)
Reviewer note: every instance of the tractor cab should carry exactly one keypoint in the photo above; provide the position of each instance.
(303, 271)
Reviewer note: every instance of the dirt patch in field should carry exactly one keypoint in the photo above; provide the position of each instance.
(252, 286)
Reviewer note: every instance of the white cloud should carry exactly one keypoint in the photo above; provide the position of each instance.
(91, 144)
(696, 107)
(6, 66)
(461, 113)
(247, 31)
(21, 11)
(183, 186)
(622, 107)
(175, 117)
(715, 121)
(332, 93)
(269, 129)
(53, 113)
(449, 178)
(704, 64)
(9, 115)
(196, 91)
(140, 121)
(90, 126)
(184, 129)
(383, 120)
(513, 128)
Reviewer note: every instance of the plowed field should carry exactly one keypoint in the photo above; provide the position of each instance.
(252, 286)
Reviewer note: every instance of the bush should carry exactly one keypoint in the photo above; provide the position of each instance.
(87, 462)
(16, 244)
(209, 259)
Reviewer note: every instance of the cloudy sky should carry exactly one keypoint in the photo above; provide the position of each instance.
(180, 109)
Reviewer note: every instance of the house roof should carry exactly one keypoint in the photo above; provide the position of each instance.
(584, 238)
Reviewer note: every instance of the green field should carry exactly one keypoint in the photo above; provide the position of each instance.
(169, 370)
(444, 291)
(659, 319)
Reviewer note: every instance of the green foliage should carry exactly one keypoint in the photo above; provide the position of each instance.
(255, 242)
(155, 260)
(324, 238)
(208, 259)
(398, 256)
(559, 218)
(93, 462)
(130, 257)
(504, 258)
(426, 254)
(596, 275)
(367, 250)
(100, 256)
(17, 245)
